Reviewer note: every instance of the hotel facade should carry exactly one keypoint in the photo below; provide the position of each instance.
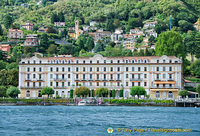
(160, 76)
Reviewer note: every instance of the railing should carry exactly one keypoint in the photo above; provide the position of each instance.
(97, 79)
(32, 87)
(136, 79)
(60, 87)
(165, 87)
(95, 87)
(60, 79)
(34, 79)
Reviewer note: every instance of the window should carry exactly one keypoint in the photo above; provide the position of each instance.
(97, 83)
(163, 61)
(27, 93)
(33, 75)
(34, 69)
(40, 69)
(33, 84)
(118, 84)
(76, 69)
(139, 61)
(51, 69)
(170, 61)
(126, 75)
(111, 61)
(138, 68)
(170, 76)
(40, 84)
(104, 68)
(145, 61)
(97, 61)
(76, 76)
(51, 75)
(157, 76)
(145, 83)
(104, 61)
(84, 62)
(126, 83)
(111, 69)
(145, 68)
(97, 69)
(157, 94)
(83, 69)
(57, 61)
(118, 69)
(90, 76)
(126, 68)
(126, 61)
(170, 94)
(133, 61)
(90, 69)
(68, 75)
(34, 61)
(111, 76)
(68, 83)
(163, 75)
(63, 61)
(132, 68)
(63, 69)
(28, 62)
(157, 69)
(104, 76)
(28, 84)
(138, 83)
(69, 69)
(90, 83)
(90, 61)
(157, 61)
(28, 69)
(57, 69)
(133, 76)
(56, 83)
(133, 84)
(40, 62)
(118, 61)
(145, 75)
(84, 76)
(170, 68)
(56, 76)
(77, 61)
(69, 61)
(163, 68)
(97, 76)
(104, 84)
(118, 76)
(40, 76)
(63, 76)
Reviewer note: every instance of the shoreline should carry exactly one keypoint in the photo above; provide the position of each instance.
(106, 104)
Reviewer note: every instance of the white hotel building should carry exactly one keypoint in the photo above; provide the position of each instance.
(160, 76)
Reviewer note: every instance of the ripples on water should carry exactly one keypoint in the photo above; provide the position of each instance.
(94, 120)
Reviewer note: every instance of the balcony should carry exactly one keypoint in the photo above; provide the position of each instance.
(60, 79)
(164, 87)
(136, 79)
(60, 87)
(32, 87)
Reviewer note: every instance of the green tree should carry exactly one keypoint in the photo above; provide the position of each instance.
(121, 93)
(12, 91)
(54, 18)
(81, 42)
(2, 64)
(137, 90)
(183, 93)
(198, 89)
(3, 55)
(43, 43)
(195, 68)
(52, 50)
(170, 43)
(151, 40)
(47, 91)
(3, 77)
(12, 77)
(11, 65)
(71, 93)
(61, 17)
(134, 22)
(8, 21)
(140, 39)
(66, 49)
(113, 93)
(185, 25)
(101, 92)
(3, 91)
(92, 92)
(110, 25)
(82, 91)
(89, 43)
(1, 30)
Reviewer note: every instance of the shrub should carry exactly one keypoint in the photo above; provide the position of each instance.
(101, 92)
(71, 93)
(12, 91)
(47, 91)
(113, 93)
(183, 93)
(121, 93)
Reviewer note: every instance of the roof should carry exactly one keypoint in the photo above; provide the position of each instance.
(4, 45)
(15, 30)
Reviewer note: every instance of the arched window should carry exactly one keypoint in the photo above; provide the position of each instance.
(40, 62)
(126, 61)
(77, 61)
(157, 94)
(57, 61)
(133, 61)
(34, 61)
(51, 61)
(28, 62)
(145, 61)
(139, 61)
(27, 93)
(69, 61)
(170, 94)
(63, 61)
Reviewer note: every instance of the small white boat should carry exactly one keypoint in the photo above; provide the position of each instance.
(82, 103)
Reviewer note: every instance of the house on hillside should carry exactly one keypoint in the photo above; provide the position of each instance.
(5, 47)
(129, 45)
(197, 25)
(151, 32)
(59, 24)
(136, 30)
(99, 35)
(31, 40)
(150, 25)
(117, 36)
(15, 34)
(28, 26)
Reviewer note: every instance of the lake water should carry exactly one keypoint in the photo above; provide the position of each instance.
(95, 120)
